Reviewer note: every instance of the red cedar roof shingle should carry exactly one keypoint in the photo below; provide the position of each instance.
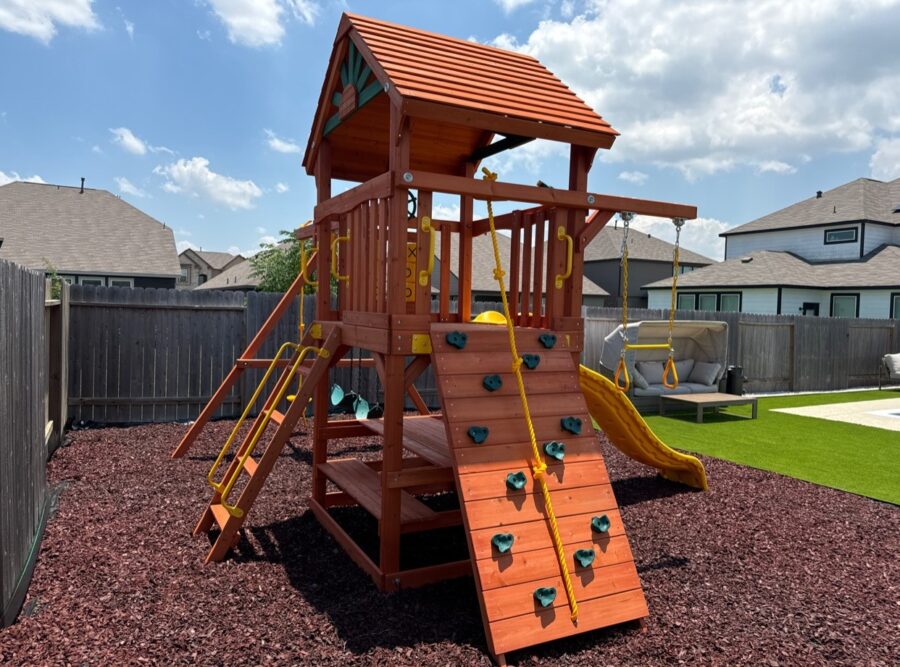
(428, 66)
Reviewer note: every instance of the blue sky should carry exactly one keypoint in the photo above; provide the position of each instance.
(195, 110)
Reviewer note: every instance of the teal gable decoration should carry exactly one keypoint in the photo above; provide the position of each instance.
(356, 92)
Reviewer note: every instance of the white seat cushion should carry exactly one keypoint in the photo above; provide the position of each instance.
(892, 363)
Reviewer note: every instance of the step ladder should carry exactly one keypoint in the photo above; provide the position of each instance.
(517, 571)
(259, 450)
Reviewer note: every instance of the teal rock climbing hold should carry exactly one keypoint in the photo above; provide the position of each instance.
(545, 595)
(492, 382)
(548, 340)
(600, 524)
(516, 480)
(531, 361)
(555, 449)
(457, 339)
(478, 434)
(503, 542)
(337, 394)
(571, 424)
(585, 557)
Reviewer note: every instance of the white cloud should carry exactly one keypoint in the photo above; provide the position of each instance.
(129, 142)
(700, 235)
(885, 162)
(776, 167)
(281, 188)
(129, 28)
(509, 6)
(39, 18)
(194, 177)
(13, 176)
(96, 149)
(567, 9)
(280, 145)
(126, 139)
(258, 23)
(260, 230)
(204, 35)
(126, 187)
(181, 246)
(636, 177)
(704, 86)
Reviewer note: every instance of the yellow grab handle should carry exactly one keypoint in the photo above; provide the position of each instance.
(570, 248)
(622, 372)
(335, 239)
(425, 274)
(647, 346)
(670, 370)
(304, 266)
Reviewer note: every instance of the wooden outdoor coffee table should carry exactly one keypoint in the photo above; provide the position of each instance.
(706, 401)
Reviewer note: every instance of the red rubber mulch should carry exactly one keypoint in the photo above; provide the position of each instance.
(762, 570)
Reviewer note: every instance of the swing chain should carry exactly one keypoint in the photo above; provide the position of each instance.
(676, 251)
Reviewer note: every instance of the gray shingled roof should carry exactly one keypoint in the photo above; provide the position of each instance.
(880, 268)
(862, 199)
(483, 264)
(217, 260)
(239, 276)
(607, 245)
(90, 233)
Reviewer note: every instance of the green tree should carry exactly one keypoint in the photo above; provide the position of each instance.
(278, 264)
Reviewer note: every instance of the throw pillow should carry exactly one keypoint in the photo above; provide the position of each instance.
(651, 370)
(704, 373)
(684, 368)
(638, 380)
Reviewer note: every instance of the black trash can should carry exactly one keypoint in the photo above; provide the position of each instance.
(734, 382)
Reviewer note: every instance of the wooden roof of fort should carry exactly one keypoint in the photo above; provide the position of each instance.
(458, 94)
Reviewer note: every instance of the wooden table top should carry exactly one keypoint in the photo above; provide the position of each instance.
(711, 398)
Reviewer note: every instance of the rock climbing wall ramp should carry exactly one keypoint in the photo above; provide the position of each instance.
(517, 573)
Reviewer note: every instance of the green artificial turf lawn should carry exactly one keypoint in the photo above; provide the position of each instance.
(853, 458)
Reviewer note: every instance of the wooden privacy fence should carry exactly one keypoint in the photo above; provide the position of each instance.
(32, 414)
(778, 352)
(152, 355)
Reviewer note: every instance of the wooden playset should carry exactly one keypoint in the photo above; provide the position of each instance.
(411, 115)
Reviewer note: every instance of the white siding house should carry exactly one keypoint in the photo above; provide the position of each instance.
(834, 255)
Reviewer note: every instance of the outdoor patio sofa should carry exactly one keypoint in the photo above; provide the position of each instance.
(890, 366)
(701, 350)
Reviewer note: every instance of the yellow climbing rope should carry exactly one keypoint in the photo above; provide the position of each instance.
(538, 468)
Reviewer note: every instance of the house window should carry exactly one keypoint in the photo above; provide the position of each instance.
(96, 281)
(201, 279)
(706, 302)
(730, 302)
(845, 305)
(843, 235)
(121, 282)
(686, 302)
(69, 280)
(895, 305)
(185, 276)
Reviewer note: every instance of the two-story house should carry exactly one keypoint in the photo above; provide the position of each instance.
(649, 260)
(200, 266)
(85, 236)
(836, 254)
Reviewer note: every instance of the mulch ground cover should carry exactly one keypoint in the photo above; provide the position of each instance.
(761, 570)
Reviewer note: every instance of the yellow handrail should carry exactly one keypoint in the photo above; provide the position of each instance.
(224, 493)
(425, 274)
(570, 243)
(335, 239)
(539, 467)
(210, 477)
(304, 267)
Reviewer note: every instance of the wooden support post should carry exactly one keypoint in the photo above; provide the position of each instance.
(321, 398)
(464, 276)
(580, 160)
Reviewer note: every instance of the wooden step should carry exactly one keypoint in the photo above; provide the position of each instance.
(220, 514)
(363, 483)
(277, 417)
(250, 466)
